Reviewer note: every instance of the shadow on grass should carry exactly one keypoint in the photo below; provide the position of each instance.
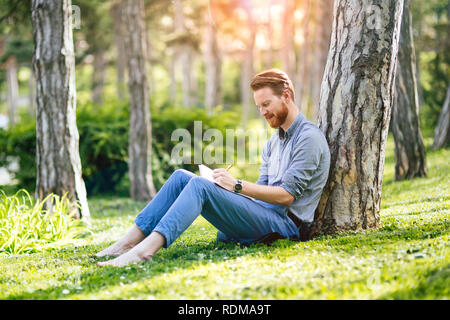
(415, 201)
(97, 279)
(386, 234)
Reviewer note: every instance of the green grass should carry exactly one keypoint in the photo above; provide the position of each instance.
(407, 258)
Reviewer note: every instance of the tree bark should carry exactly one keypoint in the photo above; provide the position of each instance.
(173, 75)
(140, 144)
(355, 108)
(442, 131)
(247, 65)
(302, 74)
(57, 156)
(13, 89)
(31, 92)
(405, 126)
(269, 47)
(185, 56)
(288, 50)
(98, 76)
(116, 13)
(321, 46)
(213, 66)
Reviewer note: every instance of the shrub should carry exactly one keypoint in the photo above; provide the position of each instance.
(103, 144)
(26, 228)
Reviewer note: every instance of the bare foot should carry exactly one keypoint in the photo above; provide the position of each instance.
(132, 256)
(131, 239)
(115, 250)
(141, 252)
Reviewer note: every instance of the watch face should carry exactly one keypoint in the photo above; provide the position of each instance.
(238, 187)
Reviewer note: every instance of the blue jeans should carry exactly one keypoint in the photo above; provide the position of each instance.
(185, 195)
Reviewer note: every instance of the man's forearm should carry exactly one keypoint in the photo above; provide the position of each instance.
(270, 194)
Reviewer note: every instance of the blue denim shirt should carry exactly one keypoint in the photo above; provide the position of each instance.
(298, 160)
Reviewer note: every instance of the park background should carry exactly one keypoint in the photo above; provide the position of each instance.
(201, 56)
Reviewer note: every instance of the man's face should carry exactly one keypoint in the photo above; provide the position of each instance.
(271, 107)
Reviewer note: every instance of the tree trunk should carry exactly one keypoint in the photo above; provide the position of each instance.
(355, 108)
(409, 146)
(321, 46)
(302, 70)
(246, 76)
(31, 92)
(269, 47)
(98, 76)
(213, 66)
(57, 156)
(140, 145)
(287, 50)
(442, 131)
(184, 56)
(13, 89)
(173, 75)
(189, 80)
(247, 65)
(116, 13)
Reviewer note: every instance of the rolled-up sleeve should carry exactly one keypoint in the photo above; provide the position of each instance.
(305, 160)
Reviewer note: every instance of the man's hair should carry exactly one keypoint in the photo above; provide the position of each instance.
(275, 79)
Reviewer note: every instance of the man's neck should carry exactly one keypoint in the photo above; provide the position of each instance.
(293, 113)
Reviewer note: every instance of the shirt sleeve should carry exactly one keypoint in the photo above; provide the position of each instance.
(263, 169)
(306, 156)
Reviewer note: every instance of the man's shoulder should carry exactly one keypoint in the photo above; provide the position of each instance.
(272, 138)
(309, 131)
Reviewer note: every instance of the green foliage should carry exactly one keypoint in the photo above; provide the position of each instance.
(19, 47)
(25, 227)
(19, 143)
(407, 258)
(431, 25)
(103, 144)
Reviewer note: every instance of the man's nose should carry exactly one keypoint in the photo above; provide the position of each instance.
(262, 111)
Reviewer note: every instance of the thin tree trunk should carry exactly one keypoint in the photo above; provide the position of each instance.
(269, 49)
(184, 56)
(31, 92)
(409, 146)
(188, 86)
(57, 156)
(13, 89)
(247, 66)
(355, 108)
(321, 46)
(213, 66)
(246, 76)
(287, 50)
(302, 70)
(172, 76)
(116, 13)
(442, 131)
(98, 76)
(140, 144)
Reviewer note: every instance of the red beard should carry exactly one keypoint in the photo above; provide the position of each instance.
(275, 120)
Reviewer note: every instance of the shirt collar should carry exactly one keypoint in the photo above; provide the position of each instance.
(288, 133)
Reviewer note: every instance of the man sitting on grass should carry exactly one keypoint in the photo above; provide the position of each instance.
(294, 170)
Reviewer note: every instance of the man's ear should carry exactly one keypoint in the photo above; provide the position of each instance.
(286, 96)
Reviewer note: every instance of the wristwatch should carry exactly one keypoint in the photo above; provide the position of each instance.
(238, 186)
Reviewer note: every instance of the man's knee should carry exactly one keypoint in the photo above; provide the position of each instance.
(201, 183)
(182, 175)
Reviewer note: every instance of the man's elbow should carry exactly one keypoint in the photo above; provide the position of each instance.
(287, 199)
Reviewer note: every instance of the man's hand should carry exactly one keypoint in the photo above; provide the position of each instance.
(270, 194)
(224, 179)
